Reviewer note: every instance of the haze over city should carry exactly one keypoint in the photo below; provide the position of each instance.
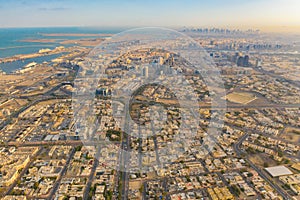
(268, 15)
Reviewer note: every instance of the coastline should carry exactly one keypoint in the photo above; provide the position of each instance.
(41, 53)
(80, 42)
(76, 34)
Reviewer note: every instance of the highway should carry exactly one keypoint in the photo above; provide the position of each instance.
(228, 105)
(294, 83)
(237, 146)
(45, 97)
(59, 142)
(155, 144)
(124, 164)
(278, 189)
(92, 175)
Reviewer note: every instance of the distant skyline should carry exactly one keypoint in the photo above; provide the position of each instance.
(262, 14)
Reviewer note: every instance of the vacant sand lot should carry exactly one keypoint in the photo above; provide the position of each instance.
(291, 135)
(240, 98)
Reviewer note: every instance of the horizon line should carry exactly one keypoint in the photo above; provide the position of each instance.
(261, 29)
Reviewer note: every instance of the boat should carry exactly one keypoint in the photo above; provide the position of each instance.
(32, 64)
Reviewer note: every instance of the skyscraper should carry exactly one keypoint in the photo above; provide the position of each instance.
(246, 61)
(160, 60)
(146, 71)
(240, 61)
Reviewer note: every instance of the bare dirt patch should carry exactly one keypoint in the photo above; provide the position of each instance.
(263, 160)
(291, 134)
(240, 98)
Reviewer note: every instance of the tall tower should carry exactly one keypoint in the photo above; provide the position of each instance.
(240, 61)
(246, 61)
(146, 71)
(160, 60)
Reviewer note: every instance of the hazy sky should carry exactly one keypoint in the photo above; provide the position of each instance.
(225, 13)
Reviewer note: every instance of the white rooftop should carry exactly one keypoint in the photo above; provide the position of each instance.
(279, 171)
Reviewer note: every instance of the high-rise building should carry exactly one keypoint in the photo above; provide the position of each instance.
(246, 61)
(240, 61)
(167, 56)
(258, 63)
(146, 71)
(103, 92)
(170, 61)
(160, 60)
(236, 57)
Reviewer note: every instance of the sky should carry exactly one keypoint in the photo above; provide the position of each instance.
(169, 13)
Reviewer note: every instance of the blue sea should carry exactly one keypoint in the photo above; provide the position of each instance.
(11, 42)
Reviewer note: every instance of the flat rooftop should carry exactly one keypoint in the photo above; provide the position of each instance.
(278, 171)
